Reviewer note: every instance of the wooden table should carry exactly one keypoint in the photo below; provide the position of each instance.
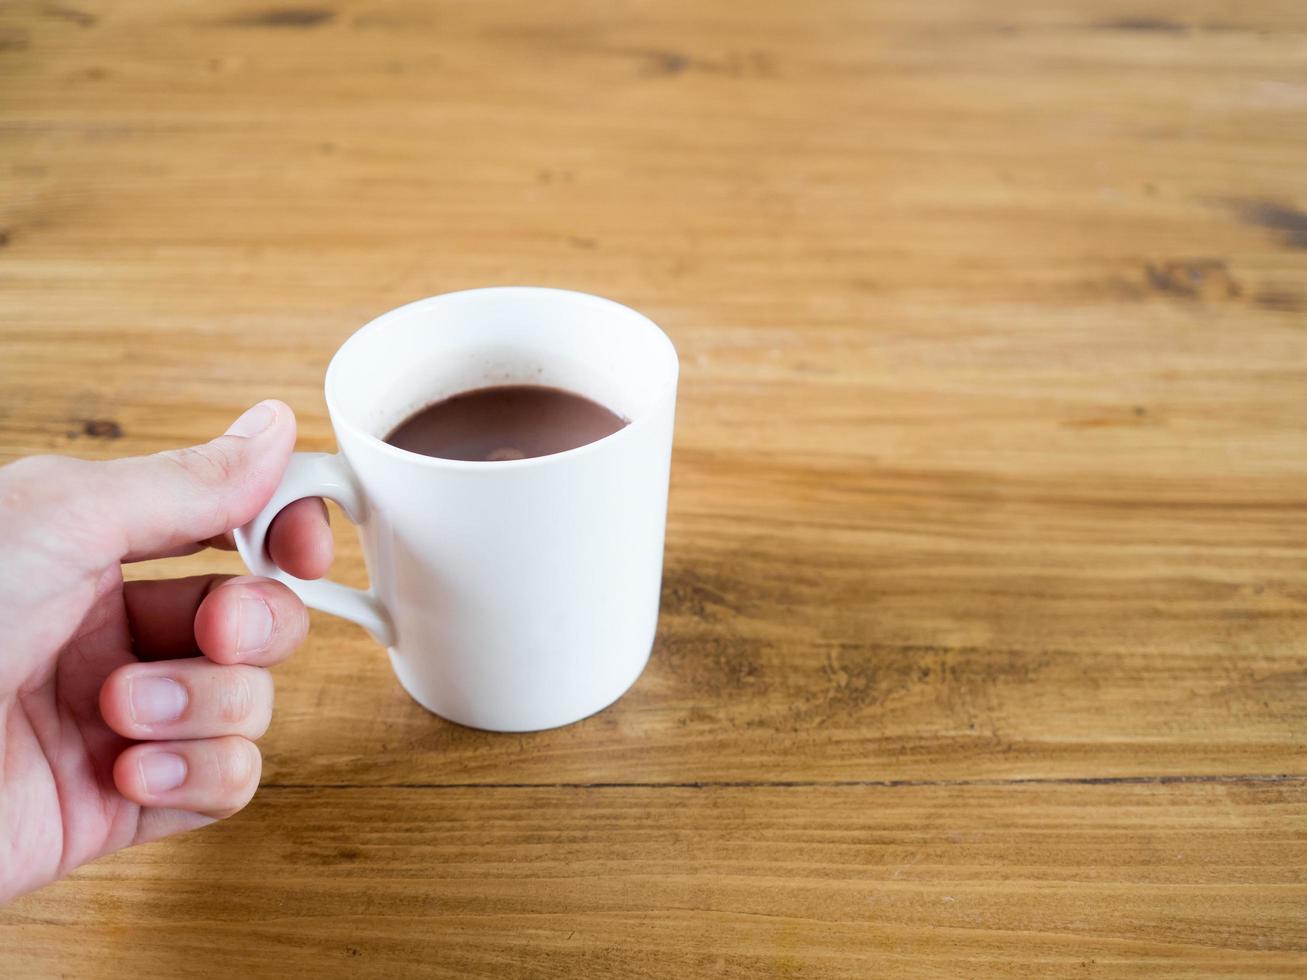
(983, 649)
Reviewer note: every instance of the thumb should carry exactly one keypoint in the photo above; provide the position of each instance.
(151, 505)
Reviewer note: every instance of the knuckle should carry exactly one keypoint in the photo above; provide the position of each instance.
(235, 698)
(27, 483)
(260, 712)
(38, 491)
(294, 619)
(212, 464)
(238, 769)
(29, 470)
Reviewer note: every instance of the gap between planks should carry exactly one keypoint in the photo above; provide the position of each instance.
(820, 784)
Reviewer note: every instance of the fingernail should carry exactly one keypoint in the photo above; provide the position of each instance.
(156, 699)
(162, 771)
(253, 625)
(254, 421)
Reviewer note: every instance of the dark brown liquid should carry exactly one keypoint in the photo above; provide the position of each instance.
(508, 422)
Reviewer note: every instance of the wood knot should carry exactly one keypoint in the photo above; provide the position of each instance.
(1200, 279)
(106, 429)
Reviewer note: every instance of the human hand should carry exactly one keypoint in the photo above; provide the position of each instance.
(128, 710)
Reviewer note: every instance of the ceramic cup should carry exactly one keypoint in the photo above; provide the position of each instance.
(514, 595)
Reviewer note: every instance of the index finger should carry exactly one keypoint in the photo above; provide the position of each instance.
(299, 540)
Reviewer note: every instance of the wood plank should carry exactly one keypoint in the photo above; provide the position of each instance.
(1054, 879)
(771, 667)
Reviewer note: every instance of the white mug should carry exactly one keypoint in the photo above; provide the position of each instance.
(512, 595)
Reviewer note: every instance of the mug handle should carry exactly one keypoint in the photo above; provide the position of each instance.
(316, 475)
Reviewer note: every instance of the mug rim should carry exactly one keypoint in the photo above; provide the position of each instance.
(339, 419)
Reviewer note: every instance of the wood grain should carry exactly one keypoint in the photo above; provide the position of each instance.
(920, 881)
(987, 551)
